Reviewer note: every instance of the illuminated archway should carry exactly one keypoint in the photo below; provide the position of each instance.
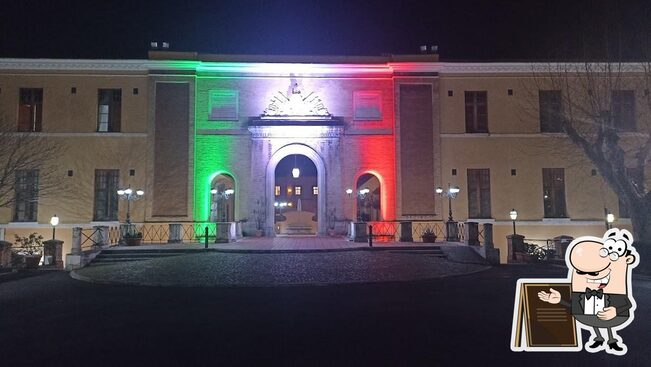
(270, 183)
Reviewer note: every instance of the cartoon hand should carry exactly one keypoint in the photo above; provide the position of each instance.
(552, 297)
(608, 313)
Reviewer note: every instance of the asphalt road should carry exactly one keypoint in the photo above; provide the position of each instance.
(52, 320)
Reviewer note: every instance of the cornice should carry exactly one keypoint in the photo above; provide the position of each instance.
(73, 65)
(271, 69)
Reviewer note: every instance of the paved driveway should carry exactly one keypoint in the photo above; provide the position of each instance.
(52, 320)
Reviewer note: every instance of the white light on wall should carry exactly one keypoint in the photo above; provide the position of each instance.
(610, 218)
(296, 172)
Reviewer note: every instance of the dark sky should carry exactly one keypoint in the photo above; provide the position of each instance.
(464, 30)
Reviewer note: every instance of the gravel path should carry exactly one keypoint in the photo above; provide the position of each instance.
(273, 269)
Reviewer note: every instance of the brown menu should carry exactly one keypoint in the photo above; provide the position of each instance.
(545, 324)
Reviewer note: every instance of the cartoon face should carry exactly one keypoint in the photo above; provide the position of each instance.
(602, 263)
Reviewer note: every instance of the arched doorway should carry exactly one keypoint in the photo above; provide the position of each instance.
(368, 198)
(222, 198)
(296, 193)
(317, 161)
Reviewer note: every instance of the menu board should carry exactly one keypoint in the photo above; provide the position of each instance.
(541, 325)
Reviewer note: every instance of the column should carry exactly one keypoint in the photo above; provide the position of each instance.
(175, 230)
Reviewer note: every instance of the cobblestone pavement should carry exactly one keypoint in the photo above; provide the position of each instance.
(272, 269)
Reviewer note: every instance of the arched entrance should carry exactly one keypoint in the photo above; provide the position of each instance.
(296, 195)
(309, 154)
(368, 198)
(222, 198)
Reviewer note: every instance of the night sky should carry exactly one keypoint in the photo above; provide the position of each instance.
(463, 30)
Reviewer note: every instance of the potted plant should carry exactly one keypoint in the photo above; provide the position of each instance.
(429, 236)
(30, 248)
(133, 238)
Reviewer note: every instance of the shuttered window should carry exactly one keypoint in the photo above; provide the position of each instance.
(26, 191)
(623, 110)
(30, 110)
(476, 112)
(109, 110)
(550, 111)
(479, 193)
(106, 196)
(554, 192)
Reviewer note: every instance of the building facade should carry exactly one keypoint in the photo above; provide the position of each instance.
(186, 128)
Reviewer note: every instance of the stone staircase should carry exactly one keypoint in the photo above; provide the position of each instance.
(116, 255)
(298, 230)
(430, 251)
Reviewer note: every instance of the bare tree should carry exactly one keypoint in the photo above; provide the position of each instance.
(26, 151)
(605, 110)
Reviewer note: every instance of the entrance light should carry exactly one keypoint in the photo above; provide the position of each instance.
(296, 172)
(54, 221)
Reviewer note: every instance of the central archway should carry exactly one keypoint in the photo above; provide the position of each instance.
(270, 183)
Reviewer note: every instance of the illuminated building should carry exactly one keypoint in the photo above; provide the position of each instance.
(182, 124)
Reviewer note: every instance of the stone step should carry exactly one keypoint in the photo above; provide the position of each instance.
(112, 256)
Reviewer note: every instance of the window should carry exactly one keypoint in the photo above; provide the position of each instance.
(624, 110)
(479, 193)
(289, 191)
(367, 105)
(30, 110)
(554, 192)
(315, 190)
(26, 191)
(476, 112)
(550, 111)
(223, 104)
(297, 190)
(109, 108)
(106, 196)
(637, 178)
(277, 190)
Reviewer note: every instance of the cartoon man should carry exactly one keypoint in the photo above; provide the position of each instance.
(600, 273)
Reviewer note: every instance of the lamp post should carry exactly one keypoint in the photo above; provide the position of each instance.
(514, 215)
(452, 232)
(610, 218)
(129, 195)
(451, 193)
(54, 221)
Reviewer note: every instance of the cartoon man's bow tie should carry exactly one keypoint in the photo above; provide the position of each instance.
(591, 292)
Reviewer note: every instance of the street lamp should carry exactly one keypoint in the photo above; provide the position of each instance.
(452, 231)
(451, 193)
(54, 221)
(129, 195)
(610, 218)
(514, 215)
